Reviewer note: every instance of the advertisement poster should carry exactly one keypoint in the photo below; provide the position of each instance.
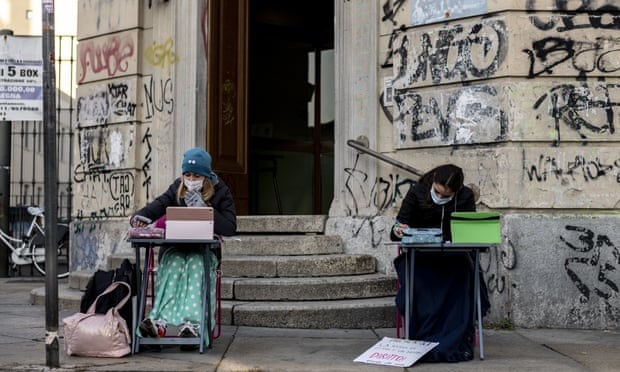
(21, 78)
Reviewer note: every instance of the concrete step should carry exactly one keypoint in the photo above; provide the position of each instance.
(298, 266)
(68, 298)
(79, 279)
(268, 245)
(298, 289)
(281, 271)
(281, 224)
(346, 314)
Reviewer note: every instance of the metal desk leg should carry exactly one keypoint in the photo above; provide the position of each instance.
(142, 282)
(134, 317)
(477, 296)
(208, 297)
(205, 305)
(409, 288)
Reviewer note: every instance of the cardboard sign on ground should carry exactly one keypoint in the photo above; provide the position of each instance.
(396, 352)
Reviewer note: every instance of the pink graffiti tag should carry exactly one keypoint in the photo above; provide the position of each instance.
(111, 55)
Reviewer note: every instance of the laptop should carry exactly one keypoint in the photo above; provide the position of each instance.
(189, 223)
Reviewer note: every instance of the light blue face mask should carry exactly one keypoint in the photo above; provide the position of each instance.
(437, 200)
(193, 185)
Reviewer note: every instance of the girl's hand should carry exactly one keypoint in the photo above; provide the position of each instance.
(398, 229)
(139, 221)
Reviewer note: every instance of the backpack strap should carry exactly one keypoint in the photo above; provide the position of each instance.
(111, 288)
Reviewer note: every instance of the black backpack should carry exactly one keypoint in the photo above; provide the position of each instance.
(101, 280)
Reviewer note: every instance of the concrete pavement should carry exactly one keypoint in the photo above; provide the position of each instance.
(22, 347)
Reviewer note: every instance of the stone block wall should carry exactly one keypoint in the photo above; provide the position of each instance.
(523, 95)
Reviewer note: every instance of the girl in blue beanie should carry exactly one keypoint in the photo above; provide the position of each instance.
(180, 272)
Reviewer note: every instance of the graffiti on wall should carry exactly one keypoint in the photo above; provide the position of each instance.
(158, 97)
(594, 265)
(103, 190)
(365, 194)
(90, 237)
(106, 104)
(467, 115)
(495, 264)
(146, 164)
(102, 195)
(458, 52)
(567, 171)
(162, 55)
(110, 55)
(390, 8)
(584, 108)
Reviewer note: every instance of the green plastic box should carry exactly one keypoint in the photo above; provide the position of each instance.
(475, 227)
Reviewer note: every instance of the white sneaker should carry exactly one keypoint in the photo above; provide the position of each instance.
(188, 330)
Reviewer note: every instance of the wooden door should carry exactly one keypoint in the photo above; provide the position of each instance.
(227, 30)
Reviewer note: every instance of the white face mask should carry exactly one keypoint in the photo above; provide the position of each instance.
(437, 200)
(193, 185)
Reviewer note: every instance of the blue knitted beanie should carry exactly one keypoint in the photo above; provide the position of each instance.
(198, 161)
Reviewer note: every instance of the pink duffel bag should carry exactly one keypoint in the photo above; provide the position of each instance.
(99, 335)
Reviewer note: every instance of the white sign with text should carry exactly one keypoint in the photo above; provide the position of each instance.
(396, 352)
(21, 78)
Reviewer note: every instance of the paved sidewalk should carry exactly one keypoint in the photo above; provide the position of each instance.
(22, 347)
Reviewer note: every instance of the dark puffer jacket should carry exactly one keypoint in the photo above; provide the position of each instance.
(418, 210)
(224, 214)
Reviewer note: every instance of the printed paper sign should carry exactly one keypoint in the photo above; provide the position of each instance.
(21, 78)
(396, 352)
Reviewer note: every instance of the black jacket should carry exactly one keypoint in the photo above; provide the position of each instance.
(418, 210)
(224, 214)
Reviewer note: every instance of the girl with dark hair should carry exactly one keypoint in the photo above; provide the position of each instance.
(443, 304)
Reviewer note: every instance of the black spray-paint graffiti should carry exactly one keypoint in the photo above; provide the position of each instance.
(146, 166)
(390, 50)
(390, 10)
(601, 14)
(594, 268)
(575, 106)
(92, 149)
(495, 263)
(158, 98)
(584, 56)
(105, 105)
(581, 168)
(458, 52)
(117, 185)
(119, 101)
(475, 104)
(389, 14)
(377, 194)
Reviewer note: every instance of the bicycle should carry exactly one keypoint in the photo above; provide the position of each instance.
(30, 250)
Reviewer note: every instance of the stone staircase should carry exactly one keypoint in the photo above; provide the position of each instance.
(283, 271)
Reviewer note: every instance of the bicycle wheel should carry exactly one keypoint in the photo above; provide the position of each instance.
(37, 252)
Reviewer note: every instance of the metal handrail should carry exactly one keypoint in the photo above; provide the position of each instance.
(362, 147)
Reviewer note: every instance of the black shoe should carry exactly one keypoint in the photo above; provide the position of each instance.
(148, 328)
(189, 347)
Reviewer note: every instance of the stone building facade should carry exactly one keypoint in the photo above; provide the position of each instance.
(520, 93)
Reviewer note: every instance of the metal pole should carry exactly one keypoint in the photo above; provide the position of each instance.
(50, 187)
(5, 183)
(5, 189)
